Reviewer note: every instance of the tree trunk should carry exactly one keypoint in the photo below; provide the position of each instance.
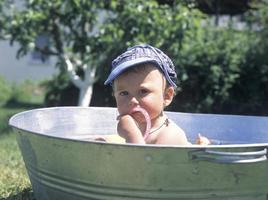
(85, 95)
(85, 86)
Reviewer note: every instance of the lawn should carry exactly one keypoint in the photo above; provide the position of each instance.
(14, 181)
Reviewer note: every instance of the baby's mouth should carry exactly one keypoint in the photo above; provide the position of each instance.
(137, 113)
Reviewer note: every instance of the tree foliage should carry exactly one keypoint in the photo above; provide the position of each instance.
(69, 27)
(210, 59)
(249, 94)
(149, 22)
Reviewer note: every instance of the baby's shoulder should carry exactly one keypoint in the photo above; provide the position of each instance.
(174, 128)
(172, 134)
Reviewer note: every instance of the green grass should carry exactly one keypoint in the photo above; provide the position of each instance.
(13, 176)
(14, 181)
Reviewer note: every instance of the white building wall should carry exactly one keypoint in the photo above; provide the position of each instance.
(25, 68)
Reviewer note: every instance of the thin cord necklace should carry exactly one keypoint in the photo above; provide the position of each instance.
(166, 122)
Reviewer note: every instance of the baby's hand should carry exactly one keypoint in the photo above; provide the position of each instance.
(128, 129)
(201, 140)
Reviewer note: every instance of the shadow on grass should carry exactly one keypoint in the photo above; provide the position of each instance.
(26, 194)
(13, 104)
(12, 107)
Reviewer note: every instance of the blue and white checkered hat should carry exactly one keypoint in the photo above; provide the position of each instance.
(141, 54)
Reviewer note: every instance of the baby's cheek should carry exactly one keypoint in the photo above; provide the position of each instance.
(153, 111)
(121, 109)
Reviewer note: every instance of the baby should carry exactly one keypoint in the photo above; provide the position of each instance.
(144, 81)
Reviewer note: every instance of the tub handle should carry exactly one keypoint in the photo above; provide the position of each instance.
(229, 157)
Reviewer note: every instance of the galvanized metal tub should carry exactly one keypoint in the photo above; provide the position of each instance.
(63, 163)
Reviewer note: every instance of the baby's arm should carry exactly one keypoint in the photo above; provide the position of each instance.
(128, 129)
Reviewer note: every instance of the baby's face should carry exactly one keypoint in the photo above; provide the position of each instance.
(144, 87)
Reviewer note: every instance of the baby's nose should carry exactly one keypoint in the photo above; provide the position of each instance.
(133, 101)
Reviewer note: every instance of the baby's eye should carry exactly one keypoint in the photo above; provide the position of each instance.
(123, 93)
(144, 91)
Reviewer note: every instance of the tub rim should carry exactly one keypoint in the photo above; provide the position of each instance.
(190, 146)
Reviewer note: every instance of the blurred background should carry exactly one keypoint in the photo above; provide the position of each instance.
(59, 53)
(219, 49)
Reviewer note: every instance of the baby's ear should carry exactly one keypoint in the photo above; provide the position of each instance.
(168, 95)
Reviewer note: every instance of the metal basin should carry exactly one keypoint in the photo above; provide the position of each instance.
(64, 163)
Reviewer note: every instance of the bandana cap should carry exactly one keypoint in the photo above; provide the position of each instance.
(141, 54)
